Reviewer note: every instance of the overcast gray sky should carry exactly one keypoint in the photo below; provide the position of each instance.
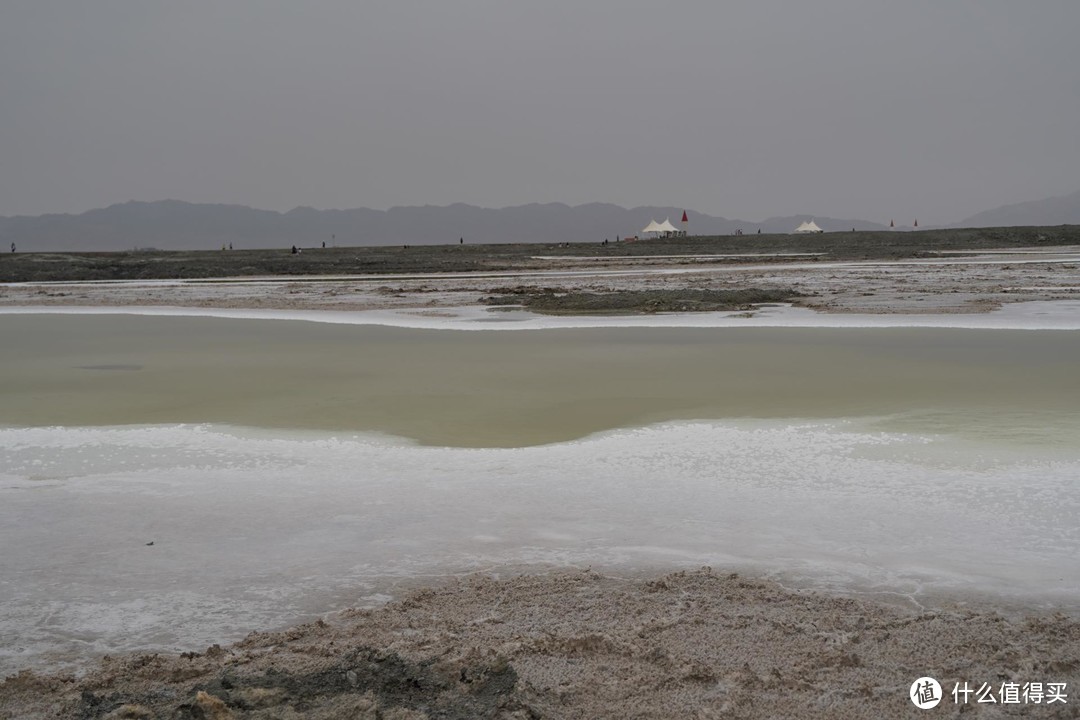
(877, 109)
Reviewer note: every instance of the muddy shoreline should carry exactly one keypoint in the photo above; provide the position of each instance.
(578, 644)
(559, 301)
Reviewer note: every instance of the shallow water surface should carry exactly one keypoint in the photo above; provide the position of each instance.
(493, 389)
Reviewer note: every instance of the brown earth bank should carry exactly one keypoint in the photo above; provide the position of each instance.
(583, 645)
(560, 301)
(57, 266)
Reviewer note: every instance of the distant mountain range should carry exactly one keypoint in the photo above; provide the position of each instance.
(176, 225)
(1063, 210)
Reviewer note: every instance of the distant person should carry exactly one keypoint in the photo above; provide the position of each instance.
(461, 241)
(324, 243)
(12, 247)
(759, 231)
(230, 246)
(294, 250)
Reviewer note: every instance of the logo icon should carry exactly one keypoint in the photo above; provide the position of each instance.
(925, 693)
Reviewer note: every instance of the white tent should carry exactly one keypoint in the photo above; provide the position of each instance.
(667, 227)
(808, 227)
(652, 227)
(664, 229)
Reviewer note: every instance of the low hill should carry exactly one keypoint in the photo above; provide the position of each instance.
(1063, 210)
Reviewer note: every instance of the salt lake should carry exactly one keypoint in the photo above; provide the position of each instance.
(283, 469)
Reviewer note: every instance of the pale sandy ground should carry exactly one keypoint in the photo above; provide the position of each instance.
(949, 283)
(581, 645)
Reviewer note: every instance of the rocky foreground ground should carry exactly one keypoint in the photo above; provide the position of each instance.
(581, 645)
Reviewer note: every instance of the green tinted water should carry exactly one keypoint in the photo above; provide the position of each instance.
(529, 387)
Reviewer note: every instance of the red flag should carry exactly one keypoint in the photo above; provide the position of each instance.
(684, 216)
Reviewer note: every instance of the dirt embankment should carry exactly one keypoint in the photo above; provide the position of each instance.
(580, 645)
(560, 301)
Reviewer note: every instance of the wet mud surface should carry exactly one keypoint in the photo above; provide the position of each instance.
(559, 301)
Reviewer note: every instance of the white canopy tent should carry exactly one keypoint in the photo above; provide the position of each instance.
(652, 227)
(664, 229)
(667, 227)
(809, 227)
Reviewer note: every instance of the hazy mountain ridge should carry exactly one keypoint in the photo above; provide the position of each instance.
(1063, 210)
(178, 225)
